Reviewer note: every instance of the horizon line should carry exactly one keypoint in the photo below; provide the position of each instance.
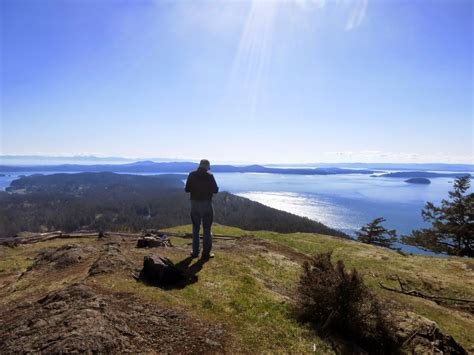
(194, 160)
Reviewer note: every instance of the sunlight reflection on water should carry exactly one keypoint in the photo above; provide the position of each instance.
(315, 208)
(344, 202)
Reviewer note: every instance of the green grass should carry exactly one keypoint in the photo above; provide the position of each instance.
(448, 277)
(229, 292)
(18, 259)
(249, 287)
(14, 261)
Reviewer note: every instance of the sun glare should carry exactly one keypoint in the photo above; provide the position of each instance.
(250, 68)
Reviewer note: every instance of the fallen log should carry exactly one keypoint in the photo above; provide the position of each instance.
(190, 235)
(420, 294)
(170, 234)
(43, 237)
(122, 234)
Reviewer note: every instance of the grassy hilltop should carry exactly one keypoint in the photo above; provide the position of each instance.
(246, 291)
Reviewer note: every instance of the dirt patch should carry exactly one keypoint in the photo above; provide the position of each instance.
(62, 257)
(276, 289)
(262, 245)
(80, 319)
(469, 265)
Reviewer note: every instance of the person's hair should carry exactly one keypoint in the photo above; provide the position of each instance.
(204, 163)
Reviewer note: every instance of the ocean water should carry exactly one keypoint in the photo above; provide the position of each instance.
(344, 202)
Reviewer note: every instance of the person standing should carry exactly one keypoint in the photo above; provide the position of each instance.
(202, 185)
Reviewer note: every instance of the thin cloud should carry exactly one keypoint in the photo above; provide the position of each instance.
(377, 156)
(357, 15)
(308, 4)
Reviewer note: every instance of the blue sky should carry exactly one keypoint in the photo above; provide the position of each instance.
(242, 81)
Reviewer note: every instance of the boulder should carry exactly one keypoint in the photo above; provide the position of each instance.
(160, 271)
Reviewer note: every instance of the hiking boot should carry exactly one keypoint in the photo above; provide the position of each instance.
(207, 256)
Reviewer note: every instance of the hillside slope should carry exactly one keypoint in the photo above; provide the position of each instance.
(78, 294)
(122, 202)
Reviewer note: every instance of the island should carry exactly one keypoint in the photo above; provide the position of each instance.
(420, 181)
(421, 174)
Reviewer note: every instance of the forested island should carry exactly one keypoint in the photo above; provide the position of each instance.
(121, 202)
(419, 181)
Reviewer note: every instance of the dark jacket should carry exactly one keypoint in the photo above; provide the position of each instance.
(201, 184)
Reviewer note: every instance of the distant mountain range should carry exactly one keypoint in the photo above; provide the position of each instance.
(178, 167)
(31, 160)
(51, 161)
(394, 166)
(151, 167)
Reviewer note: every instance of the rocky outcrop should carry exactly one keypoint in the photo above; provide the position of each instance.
(62, 257)
(419, 335)
(111, 259)
(79, 319)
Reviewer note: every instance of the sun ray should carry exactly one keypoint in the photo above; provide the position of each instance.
(248, 72)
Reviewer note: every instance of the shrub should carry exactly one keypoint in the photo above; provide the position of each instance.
(338, 303)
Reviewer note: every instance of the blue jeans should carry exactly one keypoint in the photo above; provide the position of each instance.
(202, 211)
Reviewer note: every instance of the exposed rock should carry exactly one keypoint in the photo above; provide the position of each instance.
(111, 259)
(160, 271)
(78, 319)
(63, 256)
(419, 335)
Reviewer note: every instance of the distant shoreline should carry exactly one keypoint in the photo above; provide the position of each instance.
(46, 160)
(185, 167)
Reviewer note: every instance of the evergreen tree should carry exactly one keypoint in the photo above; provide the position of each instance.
(374, 233)
(452, 224)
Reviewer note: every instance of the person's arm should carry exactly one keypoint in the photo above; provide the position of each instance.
(187, 188)
(214, 187)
